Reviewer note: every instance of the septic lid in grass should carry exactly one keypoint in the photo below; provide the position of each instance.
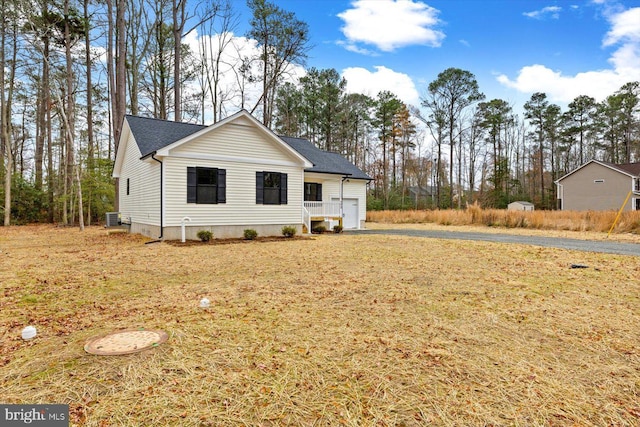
(125, 342)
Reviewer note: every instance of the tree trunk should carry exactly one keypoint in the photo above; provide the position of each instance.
(90, 147)
(50, 193)
(68, 125)
(117, 76)
(43, 107)
(178, 24)
(5, 116)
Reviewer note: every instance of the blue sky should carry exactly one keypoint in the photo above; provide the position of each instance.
(513, 47)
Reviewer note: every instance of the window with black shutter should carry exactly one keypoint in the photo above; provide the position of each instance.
(271, 188)
(206, 185)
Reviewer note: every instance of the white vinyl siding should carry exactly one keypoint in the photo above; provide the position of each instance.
(142, 204)
(234, 141)
(331, 187)
(241, 149)
(240, 207)
(357, 189)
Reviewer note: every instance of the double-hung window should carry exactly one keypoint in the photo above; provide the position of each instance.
(271, 188)
(206, 185)
(312, 192)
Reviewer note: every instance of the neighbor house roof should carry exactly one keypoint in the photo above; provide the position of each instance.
(630, 169)
(154, 134)
(324, 161)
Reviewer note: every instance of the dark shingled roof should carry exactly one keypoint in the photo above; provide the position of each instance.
(324, 161)
(630, 168)
(154, 134)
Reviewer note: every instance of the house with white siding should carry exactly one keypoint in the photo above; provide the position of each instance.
(230, 176)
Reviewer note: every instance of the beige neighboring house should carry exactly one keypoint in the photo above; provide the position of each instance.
(520, 206)
(600, 186)
(233, 175)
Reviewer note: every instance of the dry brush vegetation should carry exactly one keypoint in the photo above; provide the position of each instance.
(335, 330)
(598, 221)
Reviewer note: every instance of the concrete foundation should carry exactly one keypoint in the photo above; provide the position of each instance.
(219, 231)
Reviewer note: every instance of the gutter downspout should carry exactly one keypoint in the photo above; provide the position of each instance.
(341, 199)
(161, 195)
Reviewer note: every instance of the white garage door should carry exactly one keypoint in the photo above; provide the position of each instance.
(350, 210)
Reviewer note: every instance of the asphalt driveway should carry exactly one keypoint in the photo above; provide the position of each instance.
(608, 247)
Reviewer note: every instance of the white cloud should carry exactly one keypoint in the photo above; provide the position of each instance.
(361, 80)
(625, 27)
(625, 66)
(560, 88)
(352, 47)
(391, 24)
(552, 12)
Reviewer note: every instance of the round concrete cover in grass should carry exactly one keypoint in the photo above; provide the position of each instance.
(125, 342)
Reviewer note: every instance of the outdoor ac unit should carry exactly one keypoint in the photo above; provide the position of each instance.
(113, 219)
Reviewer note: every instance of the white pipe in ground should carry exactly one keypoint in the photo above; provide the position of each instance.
(186, 218)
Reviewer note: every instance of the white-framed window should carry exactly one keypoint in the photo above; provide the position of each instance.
(206, 185)
(636, 184)
(271, 188)
(635, 204)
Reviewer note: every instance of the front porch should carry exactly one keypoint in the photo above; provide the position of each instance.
(321, 211)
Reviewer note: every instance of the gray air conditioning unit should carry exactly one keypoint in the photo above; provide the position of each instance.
(114, 219)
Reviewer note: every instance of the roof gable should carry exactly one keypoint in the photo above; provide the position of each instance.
(632, 170)
(155, 136)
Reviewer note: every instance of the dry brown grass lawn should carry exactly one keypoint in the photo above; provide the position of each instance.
(335, 330)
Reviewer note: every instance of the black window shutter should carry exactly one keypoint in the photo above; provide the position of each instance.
(283, 188)
(319, 195)
(191, 185)
(222, 186)
(259, 188)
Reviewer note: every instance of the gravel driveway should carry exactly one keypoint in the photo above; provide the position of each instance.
(550, 242)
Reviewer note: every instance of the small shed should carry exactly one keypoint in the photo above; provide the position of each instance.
(520, 206)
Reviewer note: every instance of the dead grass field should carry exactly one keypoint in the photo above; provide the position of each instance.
(582, 221)
(335, 330)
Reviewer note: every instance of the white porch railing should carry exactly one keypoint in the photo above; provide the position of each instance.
(323, 209)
